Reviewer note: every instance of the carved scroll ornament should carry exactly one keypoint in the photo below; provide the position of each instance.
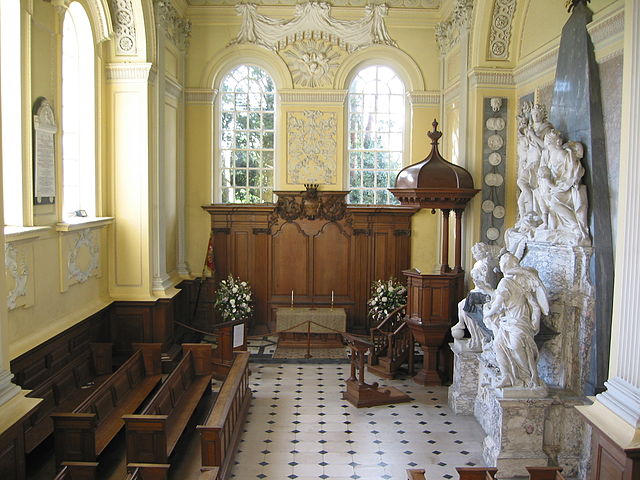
(313, 20)
(310, 205)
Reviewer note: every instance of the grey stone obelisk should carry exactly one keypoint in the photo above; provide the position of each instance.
(576, 111)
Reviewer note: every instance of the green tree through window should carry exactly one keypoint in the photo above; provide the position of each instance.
(376, 113)
(247, 113)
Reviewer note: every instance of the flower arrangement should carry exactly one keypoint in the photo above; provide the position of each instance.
(385, 298)
(233, 299)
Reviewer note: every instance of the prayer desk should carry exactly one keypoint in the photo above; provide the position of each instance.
(316, 327)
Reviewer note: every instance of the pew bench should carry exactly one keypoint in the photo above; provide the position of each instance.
(65, 390)
(545, 473)
(152, 435)
(81, 435)
(147, 471)
(220, 435)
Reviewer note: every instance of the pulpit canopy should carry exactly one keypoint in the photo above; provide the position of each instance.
(434, 182)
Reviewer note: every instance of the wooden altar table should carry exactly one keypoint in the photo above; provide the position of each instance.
(317, 327)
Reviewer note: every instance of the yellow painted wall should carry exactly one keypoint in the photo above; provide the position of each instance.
(213, 29)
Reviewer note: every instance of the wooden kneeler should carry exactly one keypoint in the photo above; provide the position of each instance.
(359, 393)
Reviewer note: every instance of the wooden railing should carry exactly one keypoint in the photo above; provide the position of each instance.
(392, 344)
(220, 435)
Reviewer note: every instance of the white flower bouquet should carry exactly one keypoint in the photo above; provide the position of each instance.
(233, 299)
(385, 298)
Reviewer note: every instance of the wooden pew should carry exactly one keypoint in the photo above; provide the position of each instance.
(82, 434)
(153, 434)
(67, 388)
(545, 473)
(477, 473)
(220, 435)
(415, 474)
(147, 471)
(77, 471)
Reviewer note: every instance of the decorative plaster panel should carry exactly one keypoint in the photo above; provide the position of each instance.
(491, 78)
(80, 251)
(500, 35)
(313, 20)
(312, 147)
(18, 275)
(124, 27)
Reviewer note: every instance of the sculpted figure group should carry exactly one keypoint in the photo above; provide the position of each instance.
(552, 206)
(502, 314)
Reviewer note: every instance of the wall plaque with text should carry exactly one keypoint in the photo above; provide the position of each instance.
(44, 165)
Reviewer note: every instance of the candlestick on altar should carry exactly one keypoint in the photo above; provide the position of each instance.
(291, 299)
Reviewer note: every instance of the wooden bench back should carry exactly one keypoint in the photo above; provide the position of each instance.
(477, 473)
(178, 382)
(545, 473)
(147, 471)
(220, 435)
(118, 386)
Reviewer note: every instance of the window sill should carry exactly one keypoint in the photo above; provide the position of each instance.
(14, 233)
(79, 223)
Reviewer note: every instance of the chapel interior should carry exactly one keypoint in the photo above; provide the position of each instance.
(150, 149)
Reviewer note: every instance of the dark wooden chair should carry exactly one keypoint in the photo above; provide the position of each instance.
(153, 434)
(82, 434)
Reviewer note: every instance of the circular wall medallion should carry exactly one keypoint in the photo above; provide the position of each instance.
(495, 159)
(493, 233)
(493, 179)
(498, 212)
(495, 142)
(496, 124)
(488, 206)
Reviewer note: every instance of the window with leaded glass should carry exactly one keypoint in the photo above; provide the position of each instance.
(247, 130)
(376, 112)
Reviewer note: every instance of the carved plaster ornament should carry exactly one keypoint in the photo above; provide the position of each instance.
(496, 103)
(124, 27)
(500, 36)
(84, 257)
(312, 63)
(312, 147)
(495, 142)
(178, 29)
(313, 20)
(336, 3)
(448, 31)
(18, 273)
(496, 124)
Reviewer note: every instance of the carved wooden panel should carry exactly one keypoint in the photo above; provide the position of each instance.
(310, 242)
(12, 461)
(290, 262)
(331, 272)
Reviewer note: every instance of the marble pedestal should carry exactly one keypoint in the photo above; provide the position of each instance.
(464, 388)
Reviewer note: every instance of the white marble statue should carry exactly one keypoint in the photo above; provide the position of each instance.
(513, 315)
(561, 197)
(552, 205)
(485, 276)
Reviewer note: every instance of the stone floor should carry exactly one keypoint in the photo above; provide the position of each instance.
(300, 428)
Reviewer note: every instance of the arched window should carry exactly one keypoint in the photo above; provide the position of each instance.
(11, 94)
(78, 114)
(376, 125)
(247, 114)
